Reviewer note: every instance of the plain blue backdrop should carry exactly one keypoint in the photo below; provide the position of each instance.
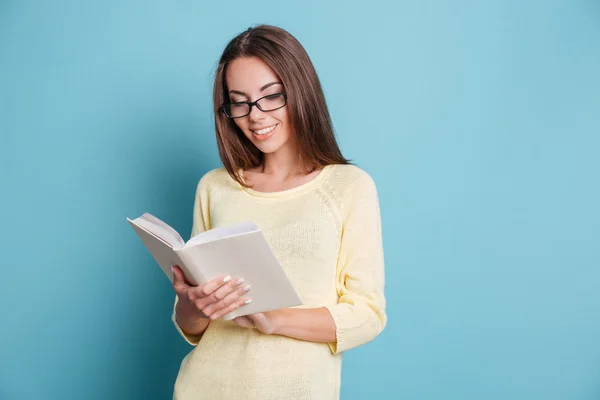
(478, 120)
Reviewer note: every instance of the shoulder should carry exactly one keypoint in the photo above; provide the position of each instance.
(346, 179)
(215, 179)
(215, 175)
(348, 185)
(351, 171)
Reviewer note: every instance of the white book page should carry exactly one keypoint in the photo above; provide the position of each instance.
(222, 232)
(164, 234)
(156, 221)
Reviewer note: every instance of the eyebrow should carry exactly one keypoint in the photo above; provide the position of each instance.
(264, 87)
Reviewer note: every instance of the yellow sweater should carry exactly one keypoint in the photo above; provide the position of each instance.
(327, 235)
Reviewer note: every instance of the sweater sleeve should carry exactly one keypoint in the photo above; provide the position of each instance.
(200, 223)
(359, 314)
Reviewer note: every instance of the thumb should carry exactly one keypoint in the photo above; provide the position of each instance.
(179, 283)
(244, 322)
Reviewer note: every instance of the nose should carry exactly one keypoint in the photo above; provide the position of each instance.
(256, 114)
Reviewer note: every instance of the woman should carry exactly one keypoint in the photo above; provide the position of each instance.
(284, 171)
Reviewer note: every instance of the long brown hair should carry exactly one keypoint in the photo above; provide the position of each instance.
(307, 107)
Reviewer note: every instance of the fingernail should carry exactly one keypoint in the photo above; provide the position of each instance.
(248, 301)
(246, 288)
(240, 281)
(226, 279)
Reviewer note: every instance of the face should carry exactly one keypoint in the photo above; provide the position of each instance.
(248, 79)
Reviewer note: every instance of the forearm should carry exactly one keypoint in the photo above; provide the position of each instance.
(310, 324)
(191, 322)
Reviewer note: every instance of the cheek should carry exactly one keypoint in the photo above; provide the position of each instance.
(282, 115)
(242, 124)
(285, 120)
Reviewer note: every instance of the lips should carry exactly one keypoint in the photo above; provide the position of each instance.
(264, 133)
(265, 130)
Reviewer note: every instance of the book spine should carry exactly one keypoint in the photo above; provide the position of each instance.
(192, 272)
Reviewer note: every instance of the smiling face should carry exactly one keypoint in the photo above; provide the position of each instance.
(249, 79)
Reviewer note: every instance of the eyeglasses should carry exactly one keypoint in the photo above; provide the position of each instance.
(240, 109)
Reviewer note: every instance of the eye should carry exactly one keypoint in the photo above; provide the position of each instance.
(272, 101)
(238, 106)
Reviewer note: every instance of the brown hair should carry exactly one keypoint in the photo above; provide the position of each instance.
(307, 107)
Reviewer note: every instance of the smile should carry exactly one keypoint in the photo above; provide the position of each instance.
(264, 131)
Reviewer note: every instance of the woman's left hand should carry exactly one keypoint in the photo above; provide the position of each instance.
(264, 322)
(310, 324)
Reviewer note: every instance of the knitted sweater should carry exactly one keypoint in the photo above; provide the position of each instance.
(326, 234)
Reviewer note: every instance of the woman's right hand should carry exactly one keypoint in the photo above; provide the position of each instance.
(212, 299)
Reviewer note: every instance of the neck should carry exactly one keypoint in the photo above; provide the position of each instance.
(284, 162)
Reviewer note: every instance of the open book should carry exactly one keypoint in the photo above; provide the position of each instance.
(239, 250)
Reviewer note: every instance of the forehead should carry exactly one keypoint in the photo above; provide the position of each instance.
(249, 74)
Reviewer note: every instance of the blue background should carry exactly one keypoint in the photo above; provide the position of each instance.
(478, 120)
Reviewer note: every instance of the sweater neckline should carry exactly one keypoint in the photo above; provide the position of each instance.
(303, 188)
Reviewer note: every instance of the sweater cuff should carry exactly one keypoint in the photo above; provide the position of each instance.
(354, 326)
(191, 339)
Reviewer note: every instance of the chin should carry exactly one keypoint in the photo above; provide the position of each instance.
(268, 148)
(270, 145)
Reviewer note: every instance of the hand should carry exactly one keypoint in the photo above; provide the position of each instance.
(264, 322)
(212, 299)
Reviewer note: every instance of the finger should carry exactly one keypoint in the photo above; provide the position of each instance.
(234, 286)
(227, 300)
(205, 295)
(179, 283)
(245, 319)
(209, 287)
(244, 322)
(233, 306)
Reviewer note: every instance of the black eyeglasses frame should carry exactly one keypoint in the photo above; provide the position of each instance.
(252, 104)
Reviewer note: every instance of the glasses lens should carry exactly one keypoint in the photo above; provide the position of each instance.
(272, 102)
(235, 110)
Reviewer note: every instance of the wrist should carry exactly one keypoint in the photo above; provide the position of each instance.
(189, 316)
(278, 321)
